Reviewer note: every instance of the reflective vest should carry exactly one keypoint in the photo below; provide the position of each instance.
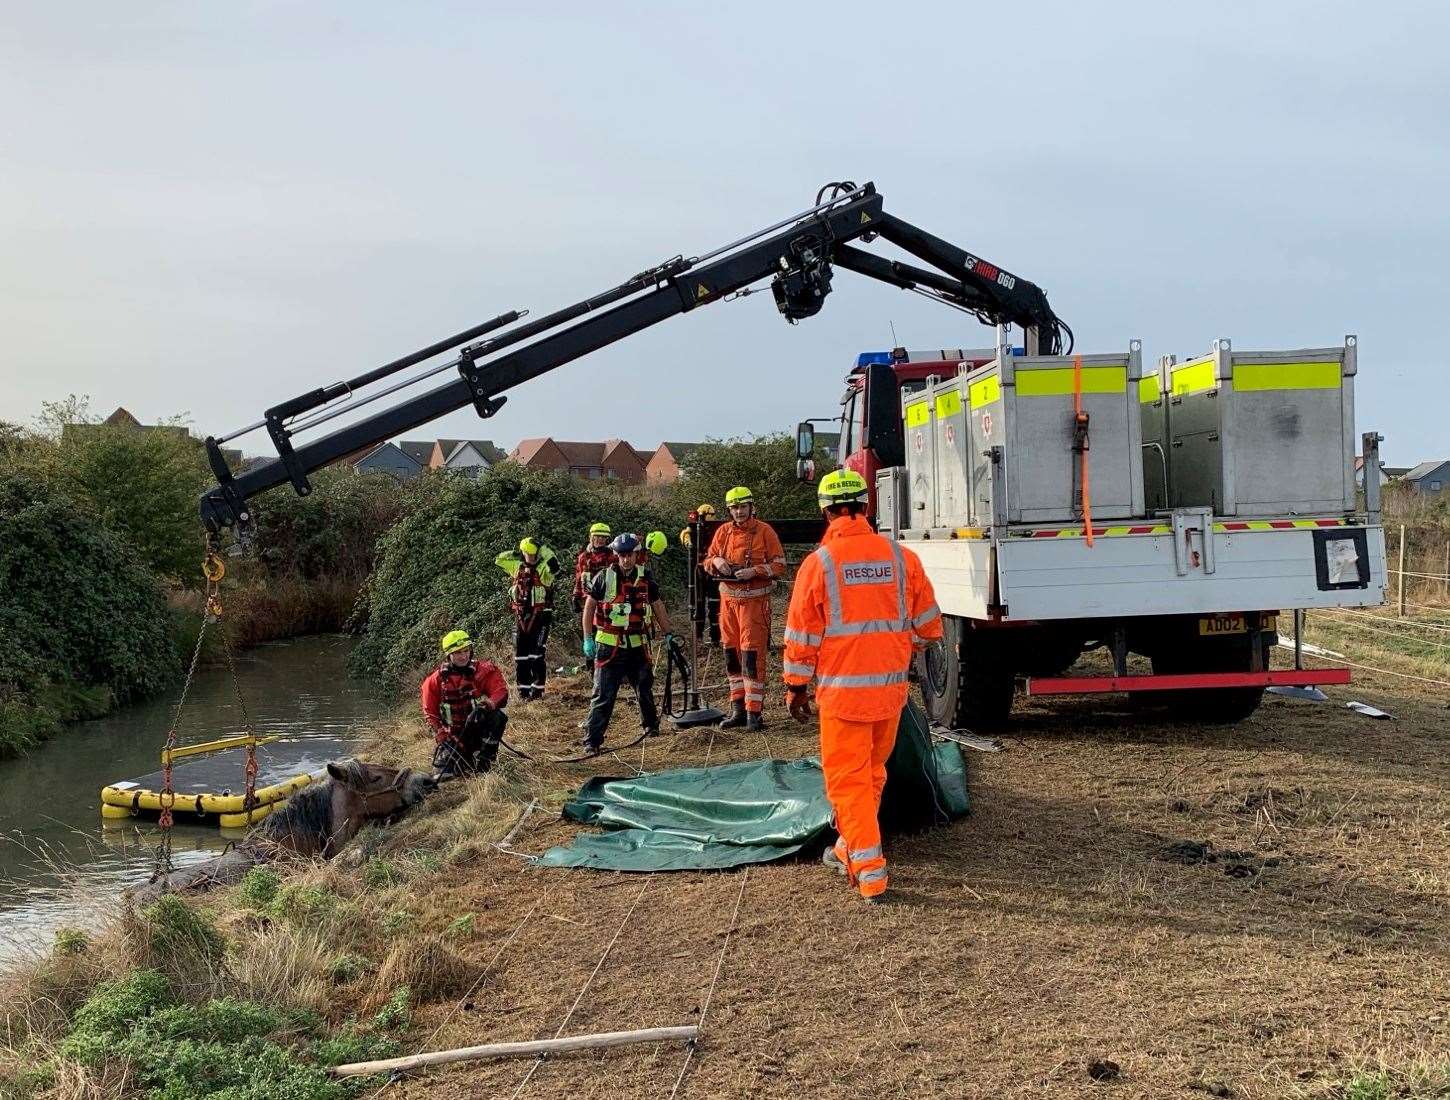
(754, 543)
(588, 565)
(456, 687)
(861, 605)
(622, 617)
(532, 581)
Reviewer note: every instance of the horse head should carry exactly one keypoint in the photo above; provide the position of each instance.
(382, 791)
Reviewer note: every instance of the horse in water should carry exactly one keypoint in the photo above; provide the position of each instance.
(314, 823)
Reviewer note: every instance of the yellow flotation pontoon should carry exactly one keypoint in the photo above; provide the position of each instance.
(208, 780)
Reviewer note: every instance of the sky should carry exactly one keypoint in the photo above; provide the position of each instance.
(209, 208)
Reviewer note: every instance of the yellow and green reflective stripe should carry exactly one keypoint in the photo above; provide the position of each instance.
(985, 391)
(1057, 381)
(948, 404)
(1193, 376)
(1286, 376)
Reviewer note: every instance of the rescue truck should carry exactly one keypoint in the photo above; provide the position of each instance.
(1065, 503)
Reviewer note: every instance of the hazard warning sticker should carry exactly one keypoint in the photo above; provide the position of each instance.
(987, 425)
(918, 442)
(951, 434)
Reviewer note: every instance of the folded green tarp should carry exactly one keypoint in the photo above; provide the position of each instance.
(734, 814)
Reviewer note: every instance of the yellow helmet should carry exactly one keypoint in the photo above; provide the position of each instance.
(528, 545)
(706, 511)
(655, 542)
(842, 487)
(600, 529)
(455, 640)
(739, 495)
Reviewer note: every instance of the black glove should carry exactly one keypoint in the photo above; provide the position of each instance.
(798, 702)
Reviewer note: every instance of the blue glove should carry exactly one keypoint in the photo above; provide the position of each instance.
(589, 647)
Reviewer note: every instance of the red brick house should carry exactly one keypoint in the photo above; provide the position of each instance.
(611, 460)
(664, 465)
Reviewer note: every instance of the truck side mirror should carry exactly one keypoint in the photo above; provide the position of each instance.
(805, 440)
(805, 469)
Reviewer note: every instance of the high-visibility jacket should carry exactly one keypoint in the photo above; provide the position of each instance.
(861, 604)
(447, 694)
(587, 566)
(533, 582)
(624, 606)
(754, 543)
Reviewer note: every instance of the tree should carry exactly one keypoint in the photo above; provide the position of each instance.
(142, 483)
(766, 464)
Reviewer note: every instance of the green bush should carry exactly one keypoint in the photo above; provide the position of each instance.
(141, 483)
(226, 1047)
(333, 532)
(766, 464)
(259, 887)
(83, 620)
(435, 567)
(180, 933)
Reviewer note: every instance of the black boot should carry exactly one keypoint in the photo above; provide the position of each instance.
(737, 716)
(754, 721)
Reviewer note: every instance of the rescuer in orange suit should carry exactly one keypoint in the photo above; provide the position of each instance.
(862, 605)
(746, 556)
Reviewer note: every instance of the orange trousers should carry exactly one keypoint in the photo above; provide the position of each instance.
(745, 635)
(853, 757)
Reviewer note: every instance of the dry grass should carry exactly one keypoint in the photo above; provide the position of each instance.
(1307, 955)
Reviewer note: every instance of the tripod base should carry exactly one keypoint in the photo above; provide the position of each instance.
(700, 716)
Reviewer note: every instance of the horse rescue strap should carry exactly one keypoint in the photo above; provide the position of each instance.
(1080, 448)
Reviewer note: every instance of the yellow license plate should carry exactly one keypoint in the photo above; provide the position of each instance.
(1222, 624)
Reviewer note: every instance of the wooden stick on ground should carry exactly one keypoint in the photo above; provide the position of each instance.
(519, 824)
(509, 1050)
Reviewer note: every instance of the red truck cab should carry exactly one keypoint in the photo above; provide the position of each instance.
(872, 436)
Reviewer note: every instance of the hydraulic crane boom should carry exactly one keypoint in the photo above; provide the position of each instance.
(796, 253)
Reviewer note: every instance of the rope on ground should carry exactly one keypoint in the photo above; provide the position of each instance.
(1371, 629)
(1355, 613)
(709, 993)
(587, 983)
(487, 970)
(1426, 576)
(1390, 672)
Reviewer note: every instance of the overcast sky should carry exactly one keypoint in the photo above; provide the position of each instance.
(208, 208)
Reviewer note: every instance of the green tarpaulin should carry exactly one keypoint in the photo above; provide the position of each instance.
(734, 814)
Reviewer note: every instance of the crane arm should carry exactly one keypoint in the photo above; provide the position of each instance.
(796, 253)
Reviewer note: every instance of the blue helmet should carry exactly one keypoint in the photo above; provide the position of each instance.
(624, 543)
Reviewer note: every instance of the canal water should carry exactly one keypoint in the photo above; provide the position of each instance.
(60, 866)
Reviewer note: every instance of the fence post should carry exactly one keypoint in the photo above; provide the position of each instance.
(1402, 571)
(1445, 579)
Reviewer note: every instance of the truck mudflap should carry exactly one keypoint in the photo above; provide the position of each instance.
(1099, 685)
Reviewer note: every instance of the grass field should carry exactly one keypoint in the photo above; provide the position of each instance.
(1255, 911)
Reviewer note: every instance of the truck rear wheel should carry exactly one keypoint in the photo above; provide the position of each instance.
(1217, 705)
(967, 682)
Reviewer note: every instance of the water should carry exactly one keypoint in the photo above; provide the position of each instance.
(59, 865)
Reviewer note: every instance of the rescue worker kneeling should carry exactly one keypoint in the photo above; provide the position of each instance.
(622, 604)
(862, 605)
(463, 702)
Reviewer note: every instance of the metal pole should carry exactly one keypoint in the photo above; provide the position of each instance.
(1298, 639)
(1446, 581)
(1402, 571)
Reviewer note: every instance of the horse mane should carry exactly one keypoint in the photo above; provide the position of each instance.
(306, 815)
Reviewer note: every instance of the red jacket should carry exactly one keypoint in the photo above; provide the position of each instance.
(457, 688)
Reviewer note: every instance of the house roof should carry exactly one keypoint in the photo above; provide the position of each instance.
(1395, 471)
(487, 448)
(419, 450)
(122, 418)
(678, 450)
(400, 448)
(1426, 468)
